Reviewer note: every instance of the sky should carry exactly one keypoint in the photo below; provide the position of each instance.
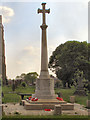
(22, 33)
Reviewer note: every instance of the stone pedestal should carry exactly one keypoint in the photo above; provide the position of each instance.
(45, 89)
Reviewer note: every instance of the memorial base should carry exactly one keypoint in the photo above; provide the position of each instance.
(42, 104)
(45, 87)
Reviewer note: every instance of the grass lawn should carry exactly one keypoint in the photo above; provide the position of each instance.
(69, 92)
(9, 96)
(12, 97)
(46, 117)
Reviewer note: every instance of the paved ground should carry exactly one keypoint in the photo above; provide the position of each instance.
(11, 109)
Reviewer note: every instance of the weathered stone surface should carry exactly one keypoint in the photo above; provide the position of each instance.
(37, 105)
(57, 109)
(33, 106)
(45, 89)
(67, 106)
(72, 99)
(48, 101)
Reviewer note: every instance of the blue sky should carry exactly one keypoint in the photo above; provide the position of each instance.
(66, 21)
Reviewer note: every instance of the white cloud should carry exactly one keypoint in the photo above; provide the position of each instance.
(32, 50)
(7, 13)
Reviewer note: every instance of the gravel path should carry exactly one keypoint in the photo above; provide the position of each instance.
(11, 109)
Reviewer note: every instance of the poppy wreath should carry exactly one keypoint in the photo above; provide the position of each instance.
(61, 99)
(34, 99)
(48, 109)
(30, 98)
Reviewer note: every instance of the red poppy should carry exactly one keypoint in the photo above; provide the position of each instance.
(33, 99)
(30, 97)
(61, 99)
(48, 109)
(36, 99)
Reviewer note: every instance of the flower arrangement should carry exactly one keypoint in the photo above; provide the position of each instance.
(48, 109)
(61, 99)
(32, 99)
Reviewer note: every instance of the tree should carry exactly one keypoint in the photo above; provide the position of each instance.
(21, 76)
(30, 77)
(69, 57)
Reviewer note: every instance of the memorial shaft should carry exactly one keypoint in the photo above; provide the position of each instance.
(44, 55)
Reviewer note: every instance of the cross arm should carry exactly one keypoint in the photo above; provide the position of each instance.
(39, 11)
(47, 11)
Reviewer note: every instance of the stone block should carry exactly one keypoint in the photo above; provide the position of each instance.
(88, 104)
(23, 102)
(48, 106)
(57, 110)
(72, 99)
(33, 106)
(67, 106)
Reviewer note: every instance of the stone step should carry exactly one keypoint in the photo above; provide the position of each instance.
(29, 106)
(45, 101)
(67, 106)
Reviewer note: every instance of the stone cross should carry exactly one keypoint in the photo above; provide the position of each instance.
(44, 54)
(43, 11)
(44, 85)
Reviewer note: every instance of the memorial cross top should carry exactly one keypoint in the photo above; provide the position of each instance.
(43, 11)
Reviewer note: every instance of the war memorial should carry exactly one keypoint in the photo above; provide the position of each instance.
(45, 85)
(44, 97)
